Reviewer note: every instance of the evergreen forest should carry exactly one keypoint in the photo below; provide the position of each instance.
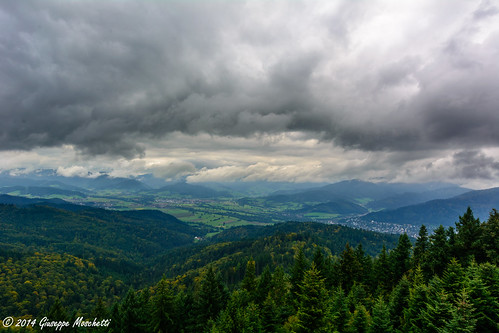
(285, 278)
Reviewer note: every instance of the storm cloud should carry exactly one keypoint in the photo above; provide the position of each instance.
(116, 78)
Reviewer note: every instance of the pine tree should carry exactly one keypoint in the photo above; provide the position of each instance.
(313, 300)
(299, 267)
(400, 257)
(360, 321)
(237, 316)
(383, 272)
(211, 298)
(418, 296)
(130, 317)
(420, 252)
(468, 237)
(483, 296)
(319, 261)
(162, 319)
(451, 243)
(490, 237)
(349, 267)
(399, 300)
(144, 309)
(438, 312)
(280, 291)
(280, 286)
(462, 319)
(340, 315)
(381, 322)
(358, 294)
(249, 281)
(453, 279)
(57, 312)
(366, 266)
(438, 252)
(115, 324)
(270, 315)
(100, 312)
(264, 286)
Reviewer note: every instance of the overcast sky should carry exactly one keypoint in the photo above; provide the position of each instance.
(252, 90)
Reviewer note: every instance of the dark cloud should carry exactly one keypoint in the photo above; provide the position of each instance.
(473, 164)
(107, 77)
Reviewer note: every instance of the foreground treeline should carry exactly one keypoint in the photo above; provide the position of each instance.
(446, 282)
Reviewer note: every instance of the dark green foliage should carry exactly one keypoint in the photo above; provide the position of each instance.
(490, 237)
(360, 321)
(298, 272)
(29, 282)
(211, 299)
(249, 282)
(453, 279)
(359, 294)
(131, 321)
(438, 312)
(340, 314)
(162, 315)
(350, 268)
(380, 319)
(100, 312)
(438, 253)
(312, 303)
(399, 300)
(418, 297)
(421, 246)
(264, 286)
(343, 291)
(115, 316)
(90, 232)
(462, 316)
(469, 237)
(383, 271)
(400, 257)
(270, 315)
(319, 261)
(238, 316)
(481, 292)
(366, 266)
(57, 312)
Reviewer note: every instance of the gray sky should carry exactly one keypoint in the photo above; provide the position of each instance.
(252, 90)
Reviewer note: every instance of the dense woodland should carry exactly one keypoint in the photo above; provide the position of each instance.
(447, 281)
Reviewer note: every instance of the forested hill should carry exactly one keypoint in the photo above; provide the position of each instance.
(92, 233)
(290, 277)
(447, 281)
(271, 245)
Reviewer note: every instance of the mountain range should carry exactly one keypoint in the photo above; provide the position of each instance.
(343, 202)
(442, 211)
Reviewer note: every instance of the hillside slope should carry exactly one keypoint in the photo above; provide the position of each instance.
(444, 211)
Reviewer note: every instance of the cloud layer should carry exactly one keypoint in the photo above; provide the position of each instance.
(112, 78)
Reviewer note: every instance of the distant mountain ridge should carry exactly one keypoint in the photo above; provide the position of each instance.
(6, 199)
(342, 207)
(413, 198)
(40, 191)
(196, 191)
(357, 189)
(441, 211)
